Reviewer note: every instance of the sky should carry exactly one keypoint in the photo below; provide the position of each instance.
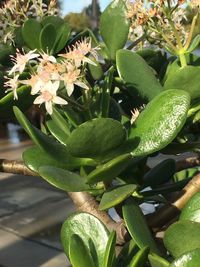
(78, 5)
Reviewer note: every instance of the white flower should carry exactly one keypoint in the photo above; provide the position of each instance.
(48, 96)
(21, 60)
(70, 78)
(13, 84)
(35, 82)
(47, 58)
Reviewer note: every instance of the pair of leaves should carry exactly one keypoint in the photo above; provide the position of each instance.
(50, 35)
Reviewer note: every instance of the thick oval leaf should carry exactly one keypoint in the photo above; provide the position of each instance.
(62, 36)
(191, 211)
(182, 237)
(116, 195)
(63, 179)
(186, 78)
(31, 32)
(54, 20)
(157, 261)
(189, 259)
(93, 233)
(134, 70)
(60, 121)
(160, 122)
(115, 15)
(110, 256)
(47, 38)
(25, 100)
(96, 137)
(160, 174)
(108, 171)
(34, 158)
(47, 144)
(140, 258)
(79, 253)
(137, 226)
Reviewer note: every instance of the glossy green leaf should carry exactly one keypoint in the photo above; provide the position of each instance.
(132, 68)
(79, 253)
(189, 259)
(140, 258)
(191, 211)
(60, 121)
(47, 38)
(186, 78)
(48, 144)
(62, 36)
(31, 32)
(96, 137)
(25, 100)
(115, 15)
(95, 71)
(137, 226)
(110, 170)
(157, 261)
(195, 43)
(160, 122)
(182, 237)
(34, 158)
(160, 174)
(63, 179)
(57, 132)
(93, 233)
(116, 195)
(110, 256)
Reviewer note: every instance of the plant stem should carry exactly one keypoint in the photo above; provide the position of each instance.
(189, 39)
(182, 60)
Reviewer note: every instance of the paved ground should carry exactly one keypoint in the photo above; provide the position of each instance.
(31, 214)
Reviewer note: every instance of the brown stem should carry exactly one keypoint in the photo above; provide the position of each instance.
(187, 163)
(169, 211)
(82, 200)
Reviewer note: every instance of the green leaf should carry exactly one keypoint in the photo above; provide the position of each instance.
(95, 71)
(160, 122)
(110, 170)
(182, 237)
(110, 256)
(5, 53)
(128, 251)
(185, 174)
(60, 121)
(191, 211)
(25, 100)
(137, 226)
(62, 36)
(34, 158)
(54, 20)
(79, 253)
(96, 137)
(185, 78)
(47, 38)
(157, 261)
(55, 150)
(140, 258)
(133, 69)
(160, 174)
(91, 230)
(115, 15)
(31, 32)
(189, 259)
(116, 195)
(57, 132)
(63, 179)
(195, 43)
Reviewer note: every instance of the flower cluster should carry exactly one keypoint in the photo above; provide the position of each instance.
(14, 13)
(49, 74)
(162, 21)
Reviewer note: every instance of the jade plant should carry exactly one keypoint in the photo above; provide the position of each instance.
(109, 106)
